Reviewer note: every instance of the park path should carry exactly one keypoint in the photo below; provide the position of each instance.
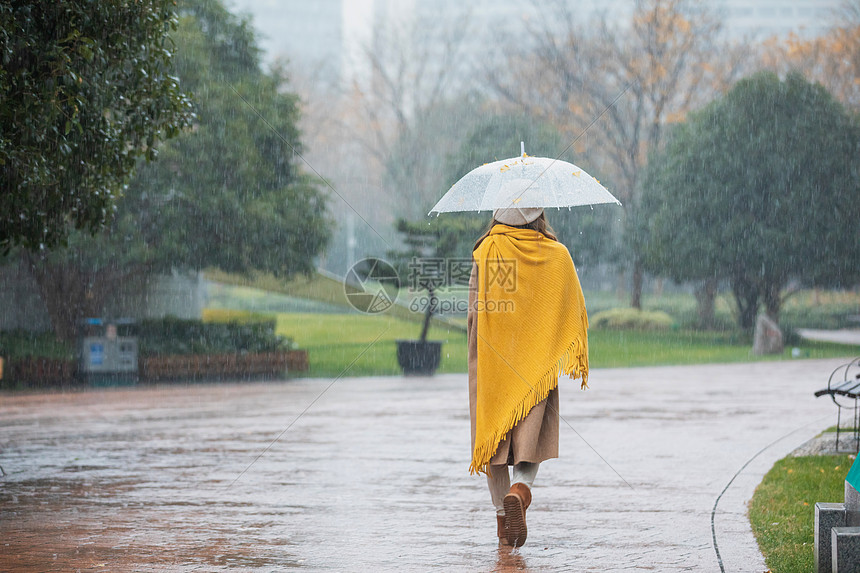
(373, 476)
(841, 336)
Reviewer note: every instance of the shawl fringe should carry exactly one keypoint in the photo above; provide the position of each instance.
(573, 361)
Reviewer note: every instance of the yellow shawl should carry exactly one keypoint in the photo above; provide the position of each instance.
(532, 326)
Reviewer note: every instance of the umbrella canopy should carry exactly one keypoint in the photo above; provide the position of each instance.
(523, 182)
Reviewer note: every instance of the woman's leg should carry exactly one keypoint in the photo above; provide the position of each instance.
(517, 502)
(525, 472)
(499, 481)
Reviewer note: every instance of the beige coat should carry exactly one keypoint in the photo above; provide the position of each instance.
(535, 438)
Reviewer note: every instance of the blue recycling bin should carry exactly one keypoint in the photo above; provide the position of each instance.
(108, 352)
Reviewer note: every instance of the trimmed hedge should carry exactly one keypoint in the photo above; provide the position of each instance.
(162, 336)
(25, 344)
(177, 336)
(631, 319)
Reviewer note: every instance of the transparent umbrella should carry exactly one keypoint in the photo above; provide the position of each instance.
(523, 182)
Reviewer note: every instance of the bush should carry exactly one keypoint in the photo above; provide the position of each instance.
(176, 336)
(631, 319)
(21, 343)
(827, 315)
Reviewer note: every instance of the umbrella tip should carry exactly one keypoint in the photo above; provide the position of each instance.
(523, 148)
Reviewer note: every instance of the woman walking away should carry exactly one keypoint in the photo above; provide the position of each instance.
(527, 325)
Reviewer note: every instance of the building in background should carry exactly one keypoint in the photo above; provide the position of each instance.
(306, 33)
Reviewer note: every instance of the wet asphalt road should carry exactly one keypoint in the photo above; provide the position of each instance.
(373, 476)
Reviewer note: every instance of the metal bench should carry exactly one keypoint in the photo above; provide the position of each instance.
(846, 387)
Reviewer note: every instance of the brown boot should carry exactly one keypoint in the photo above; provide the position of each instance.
(516, 502)
(502, 530)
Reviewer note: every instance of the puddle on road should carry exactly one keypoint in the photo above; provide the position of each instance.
(89, 523)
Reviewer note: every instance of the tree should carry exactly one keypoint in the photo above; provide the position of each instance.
(86, 88)
(226, 193)
(423, 262)
(411, 104)
(631, 80)
(758, 188)
(832, 59)
(415, 173)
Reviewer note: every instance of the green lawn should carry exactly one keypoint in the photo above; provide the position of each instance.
(619, 348)
(316, 293)
(782, 510)
(363, 345)
(340, 340)
(803, 309)
(333, 341)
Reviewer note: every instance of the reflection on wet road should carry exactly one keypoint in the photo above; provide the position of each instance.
(374, 476)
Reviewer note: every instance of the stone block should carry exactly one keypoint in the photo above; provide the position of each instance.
(852, 506)
(767, 338)
(845, 549)
(827, 516)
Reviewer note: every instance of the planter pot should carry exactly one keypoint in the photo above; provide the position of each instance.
(419, 358)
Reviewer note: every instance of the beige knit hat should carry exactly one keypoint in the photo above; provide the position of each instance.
(517, 215)
(511, 193)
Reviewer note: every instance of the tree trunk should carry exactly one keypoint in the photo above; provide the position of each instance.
(66, 293)
(72, 294)
(706, 293)
(431, 308)
(621, 284)
(747, 296)
(772, 301)
(636, 291)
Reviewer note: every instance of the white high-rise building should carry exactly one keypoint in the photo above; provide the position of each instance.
(307, 33)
